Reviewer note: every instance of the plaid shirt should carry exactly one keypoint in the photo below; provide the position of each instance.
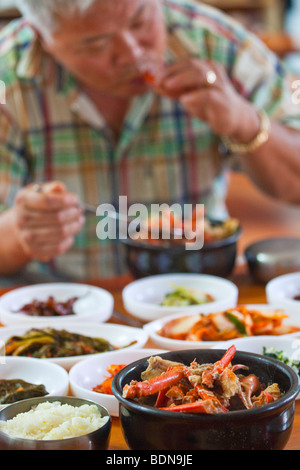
(49, 130)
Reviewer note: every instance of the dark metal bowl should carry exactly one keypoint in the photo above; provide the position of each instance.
(263, 428)
(273, 257)
(215, 258)
(96, 440)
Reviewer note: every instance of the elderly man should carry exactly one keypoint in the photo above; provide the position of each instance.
(81, 119)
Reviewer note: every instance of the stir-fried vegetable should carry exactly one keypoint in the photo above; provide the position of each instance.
(182, 296)
(16, 389)
(51, 343)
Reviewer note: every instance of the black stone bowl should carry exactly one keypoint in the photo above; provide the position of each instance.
(96, 440)
(263, 428)
(216, 258)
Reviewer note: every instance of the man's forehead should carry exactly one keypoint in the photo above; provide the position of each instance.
(111, 14)
(118, 8)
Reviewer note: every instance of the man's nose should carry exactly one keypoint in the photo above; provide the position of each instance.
(127, 49)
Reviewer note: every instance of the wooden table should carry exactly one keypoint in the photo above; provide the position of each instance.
(260, 217)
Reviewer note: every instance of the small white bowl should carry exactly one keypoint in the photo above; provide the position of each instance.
(142, 298)
(154, 327)
(91, 372)
(282, 289)
(93, 305)
(289, 345)
(53, 377)
(118, 335)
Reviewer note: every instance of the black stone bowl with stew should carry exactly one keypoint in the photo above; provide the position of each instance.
(263, 428)
(216, 258)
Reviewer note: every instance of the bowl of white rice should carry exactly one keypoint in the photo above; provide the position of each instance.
(55, 423)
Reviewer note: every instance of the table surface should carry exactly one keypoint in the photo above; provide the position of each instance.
(260, 217)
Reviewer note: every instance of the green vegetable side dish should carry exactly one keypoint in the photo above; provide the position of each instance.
(51, 343)
(16, 389)
(281, 356)
(181, 296)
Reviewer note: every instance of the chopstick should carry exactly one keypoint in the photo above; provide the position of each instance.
(91, 209)
(128, 320)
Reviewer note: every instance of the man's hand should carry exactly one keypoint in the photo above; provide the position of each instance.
(47, 221)
(218, 104)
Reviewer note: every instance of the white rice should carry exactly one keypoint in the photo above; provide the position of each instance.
(49, 421)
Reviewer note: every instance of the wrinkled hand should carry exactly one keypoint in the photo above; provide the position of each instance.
(220, 105)
(47, 221)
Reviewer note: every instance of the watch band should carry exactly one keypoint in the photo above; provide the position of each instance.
(261, 138)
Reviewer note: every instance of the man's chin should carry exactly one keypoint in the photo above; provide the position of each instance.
(134, 87)
(123, 90)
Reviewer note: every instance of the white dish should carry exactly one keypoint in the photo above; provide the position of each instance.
(282, 289)
(142, 298)
(53, 377)
(118, 335)
(91, 372)
(289, 345)
(93, 304)
(172, 344)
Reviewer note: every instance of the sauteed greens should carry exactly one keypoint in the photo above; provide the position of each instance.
(52, 343)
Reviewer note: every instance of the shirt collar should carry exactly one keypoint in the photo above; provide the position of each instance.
(39, 66)
(33, 58)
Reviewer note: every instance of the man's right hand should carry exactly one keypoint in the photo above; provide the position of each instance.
(47, 221)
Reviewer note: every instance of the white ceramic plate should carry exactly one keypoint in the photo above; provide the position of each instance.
(88, 373)
(142, 298)
(93, 304)
(172, 344)
(53, 377)
(282, 289)
(118, 335)
(289, 345)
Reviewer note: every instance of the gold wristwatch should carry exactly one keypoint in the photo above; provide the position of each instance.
(261, 138)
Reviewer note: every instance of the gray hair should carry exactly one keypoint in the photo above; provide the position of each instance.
(44, 14)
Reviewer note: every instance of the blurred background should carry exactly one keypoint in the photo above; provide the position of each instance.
(277, 23)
